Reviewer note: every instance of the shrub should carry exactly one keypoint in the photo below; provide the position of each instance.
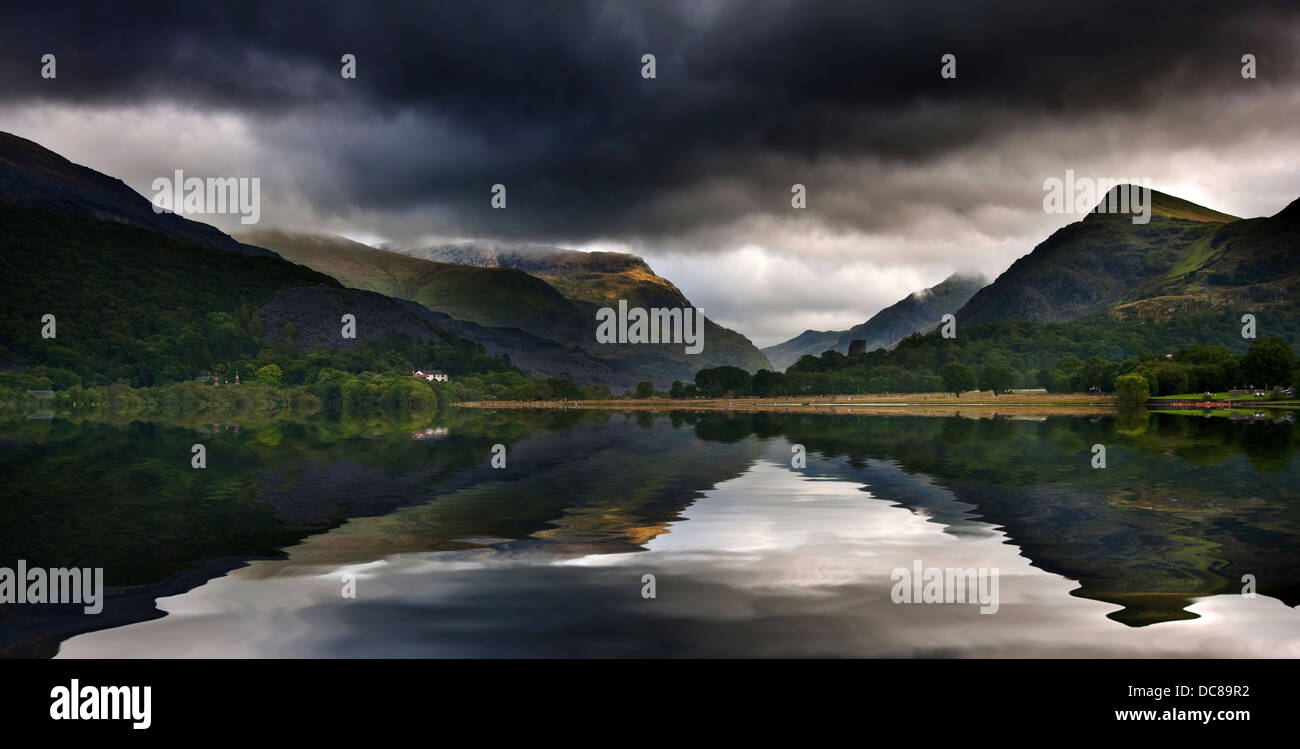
(1132, 390)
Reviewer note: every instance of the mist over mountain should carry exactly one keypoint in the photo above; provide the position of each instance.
(538, 305)
(601, 279)
(1186, 258)
(812, 342)
(916, 313)
(144, 298)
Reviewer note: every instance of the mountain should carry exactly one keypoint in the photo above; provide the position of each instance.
(1244, 255)
(505, 311)
(531, 354)
(812, 342)
(490, 297)
(916, 313)
(1106, 260)
(601, 279)
(543, 329)
(36, 177)
(150, 298)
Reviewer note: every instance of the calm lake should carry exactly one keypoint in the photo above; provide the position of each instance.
(380, 538)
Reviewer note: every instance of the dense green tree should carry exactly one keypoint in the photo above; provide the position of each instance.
(1205, 354)
(562, 389)
(1268, 362)
(1096, 374)
(725, 381)
(767, 383)
(957, 378)
(1131, 390)
(270, 374)
(882, 384)
(807, 363)
(997, 378)
(1172, 378)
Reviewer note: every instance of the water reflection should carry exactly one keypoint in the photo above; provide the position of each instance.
(454, 558)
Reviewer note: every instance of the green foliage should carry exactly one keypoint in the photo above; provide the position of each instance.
(645, 389)
(957, 378)
(725, 381)
(767, 383)
(551, 302)
(912, 368)
(138, 306)
(141, 309)
(998, 378)
(1096, 374)
(188, 401)
(270, 374)
(1268, 362)
(1171, 378)
(1132, 390)
(1085, 355)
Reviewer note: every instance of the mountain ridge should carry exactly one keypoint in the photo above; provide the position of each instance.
(34, 176)
(1105, 261)
(512, 311)
(917, 312)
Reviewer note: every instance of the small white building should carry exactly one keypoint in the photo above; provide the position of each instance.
(434, 376)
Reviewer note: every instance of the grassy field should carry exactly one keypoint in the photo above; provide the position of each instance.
(1246, 402)
(1228, 413)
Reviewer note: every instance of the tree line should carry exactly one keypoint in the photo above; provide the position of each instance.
(1268, 363)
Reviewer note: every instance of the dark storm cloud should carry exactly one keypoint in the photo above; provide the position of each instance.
(546, 97)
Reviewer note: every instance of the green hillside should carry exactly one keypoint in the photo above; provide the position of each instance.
(1106, 260)
(601, 279)
(134, 305)
(493, 297)
(496, 296)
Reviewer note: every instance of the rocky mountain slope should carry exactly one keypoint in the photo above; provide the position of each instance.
(915, 313)
(545, 329)
(1106, 260)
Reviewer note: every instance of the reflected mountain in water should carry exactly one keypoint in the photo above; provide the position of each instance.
(1185, 507)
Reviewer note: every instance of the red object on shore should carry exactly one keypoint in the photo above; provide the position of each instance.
(1202, 404)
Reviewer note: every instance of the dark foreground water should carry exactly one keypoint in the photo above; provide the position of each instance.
(444, 555)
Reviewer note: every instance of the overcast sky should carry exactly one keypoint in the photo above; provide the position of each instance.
(909, 176)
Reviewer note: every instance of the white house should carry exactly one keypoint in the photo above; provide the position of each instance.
(434, 376)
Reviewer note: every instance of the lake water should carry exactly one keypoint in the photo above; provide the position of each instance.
(380, 539)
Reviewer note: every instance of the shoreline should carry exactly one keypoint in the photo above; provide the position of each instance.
(1023, 404)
